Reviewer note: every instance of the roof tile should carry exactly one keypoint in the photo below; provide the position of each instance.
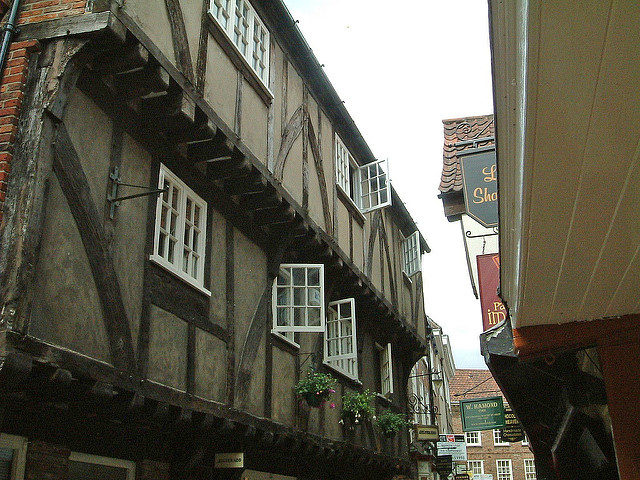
(468, 384)
(459, 130)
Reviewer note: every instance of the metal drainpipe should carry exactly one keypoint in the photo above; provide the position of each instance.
(9, 30)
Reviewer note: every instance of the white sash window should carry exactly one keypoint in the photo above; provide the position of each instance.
(367, 185)
(240, 22)
(340, 341)
(181, 228)
(298, 298)
(503, 470)
(411, 254)
(386, 371)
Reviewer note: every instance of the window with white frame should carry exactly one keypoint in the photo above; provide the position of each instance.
(529, 469)
(476, 466)
(525, 441)
(298, 298)
(473, 439)
(419, 390)
(374, 187)
(411, 254)
(340, 342)
(367, 185)
(503, 470)
(498, 441)
(181, 228)
(239, 20)
(13, 452)
(386, 371)
(83, 466)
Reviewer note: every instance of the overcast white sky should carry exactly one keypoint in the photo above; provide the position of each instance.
(402, 68)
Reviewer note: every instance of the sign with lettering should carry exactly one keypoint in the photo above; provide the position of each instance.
(229, 460)
(493, 310)
(480, 182)
(461, 476)
(444, 465)
(427, 433)
(482, 476)
(512, 431)
(453, 445)
(482, 414)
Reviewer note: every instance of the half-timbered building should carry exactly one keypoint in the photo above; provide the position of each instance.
(190, 221)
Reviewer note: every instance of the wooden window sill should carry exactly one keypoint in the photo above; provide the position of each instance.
(351, 206)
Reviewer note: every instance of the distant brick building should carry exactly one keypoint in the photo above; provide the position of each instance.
(487, 453)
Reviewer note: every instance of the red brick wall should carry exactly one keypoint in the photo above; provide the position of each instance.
(32, 11)
(46, 462)
(11, 93)
(489, 453)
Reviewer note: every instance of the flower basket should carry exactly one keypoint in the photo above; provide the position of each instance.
(356, 408)
(315, 399)
(390, 423)
(315, 388)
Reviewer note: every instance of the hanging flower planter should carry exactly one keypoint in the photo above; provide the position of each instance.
(390, 423)
(356, 408)
(315, 388)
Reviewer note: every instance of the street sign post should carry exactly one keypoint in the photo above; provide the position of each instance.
(482, 414)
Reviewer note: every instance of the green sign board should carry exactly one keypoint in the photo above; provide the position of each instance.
(482, 414)
(480, 180)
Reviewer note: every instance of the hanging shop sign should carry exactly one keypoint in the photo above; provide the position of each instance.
(482, 476)
(444, 465)
(453, 445)
(229, 460)
(427, 433)
(493, 310)
(480, 180)
(482, 414)
(512, 431)
(461, 476)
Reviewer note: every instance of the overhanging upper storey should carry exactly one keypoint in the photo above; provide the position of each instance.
(567, 101)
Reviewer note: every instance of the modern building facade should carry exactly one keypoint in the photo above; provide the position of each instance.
(487, 452)
(191, 220)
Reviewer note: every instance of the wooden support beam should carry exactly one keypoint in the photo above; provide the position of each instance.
(139, 82)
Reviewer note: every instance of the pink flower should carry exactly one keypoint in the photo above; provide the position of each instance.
(331, 390)
(333, 405)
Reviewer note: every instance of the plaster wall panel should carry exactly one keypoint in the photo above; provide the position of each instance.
(250, 266)
(343, 227)
(315, 200)
(90, 131)
(153, 19)
(294, 90)
(167, 349)
(283, 398)
(66, 309)
(254, 122)
(218, 282)
(192, 14)
(210, 367)
(376, 262)
(221, 82)
(358, 245)
(128, 245)
(292, 175)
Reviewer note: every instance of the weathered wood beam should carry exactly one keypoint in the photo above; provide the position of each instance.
(76, 189)
(180, 40)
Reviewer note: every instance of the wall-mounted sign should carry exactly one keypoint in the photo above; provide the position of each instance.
(493, 311)
(482, 414)
(427, 433)
(453, 445)
(480, 180)
(482, 476)
(461, 476)
(512, 431)
(229, 460)
(444, 465)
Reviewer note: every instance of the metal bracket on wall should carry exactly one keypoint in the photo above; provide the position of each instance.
(114, 200)
(469, 235)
